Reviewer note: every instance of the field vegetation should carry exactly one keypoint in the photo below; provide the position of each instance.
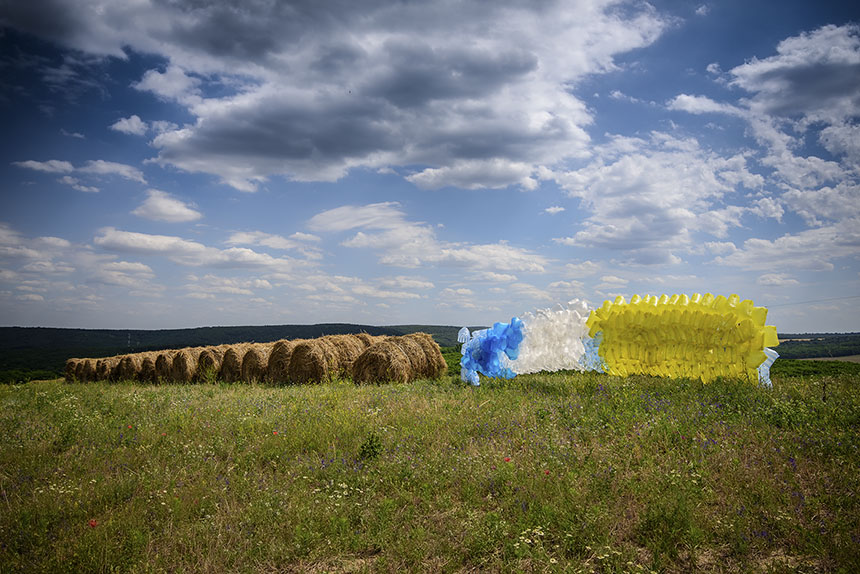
(562, 472)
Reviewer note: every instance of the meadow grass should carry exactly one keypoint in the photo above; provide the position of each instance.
(562, 472)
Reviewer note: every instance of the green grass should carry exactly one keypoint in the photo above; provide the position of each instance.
(565, 472)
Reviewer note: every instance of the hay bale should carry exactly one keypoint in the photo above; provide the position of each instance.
(368, 340)
(69, 371)
(415, 352)
(147, 368)
(88, 370)
(105, 367)
(128, 367)
(231, 364)
(385, 361)
(164, 364)
(347, 348)
(277, 370)
(312, 361)
(255, 363)
(183, 369)
(209, 362)
(79, 370)
(435, 365)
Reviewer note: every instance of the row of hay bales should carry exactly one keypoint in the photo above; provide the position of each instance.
(362, 357)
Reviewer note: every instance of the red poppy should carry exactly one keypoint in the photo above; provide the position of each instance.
(546, 472)
(274, 432)
(507, 459)
(93, 522)
(129, 426)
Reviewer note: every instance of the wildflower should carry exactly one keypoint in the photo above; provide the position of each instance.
(546, 472)
(274, 432)
(129, 426)
(93, 522)
(507, 459)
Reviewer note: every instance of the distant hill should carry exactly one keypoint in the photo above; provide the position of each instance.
(41, 352)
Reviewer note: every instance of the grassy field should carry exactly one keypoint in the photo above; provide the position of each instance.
(544, 473)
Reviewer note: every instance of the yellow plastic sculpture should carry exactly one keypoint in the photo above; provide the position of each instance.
(700, 337)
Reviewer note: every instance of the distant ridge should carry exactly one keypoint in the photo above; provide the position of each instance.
(32, 352)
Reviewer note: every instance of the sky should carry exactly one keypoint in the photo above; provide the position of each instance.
(173, 164)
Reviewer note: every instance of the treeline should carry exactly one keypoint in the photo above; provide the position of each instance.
(28, 353)
(814, 345)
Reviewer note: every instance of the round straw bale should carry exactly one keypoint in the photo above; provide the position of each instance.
(147, 367)
(255, 363)
(69, 372)
(435, 365)
(184, 366)
(312, 361)
(367, 340)
(79, 370)
(88, 372)
(279, 360)
(383, 362)
(164, 364)
(231, 364)
(209, 362)
(128, 367)
(347, 349)
(105, 367)
(415, 353)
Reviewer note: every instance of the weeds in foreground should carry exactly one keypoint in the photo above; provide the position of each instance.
(562, 472)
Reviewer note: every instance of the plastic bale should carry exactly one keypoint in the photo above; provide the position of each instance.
(385, 361)
(255, 363)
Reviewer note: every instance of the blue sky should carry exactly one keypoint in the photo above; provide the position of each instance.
(181, 164)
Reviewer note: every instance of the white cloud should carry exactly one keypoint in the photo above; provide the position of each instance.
(702, 105)
(132, 125)
(649, 198)
(812, 249)
(50, 166)
(411, 244)
(76, 184)
(161, 206)
(77, 135)
(405, 282)
(102, 167)
(473, 94)
(191, 253)
(553, 210)
(297, 241)
(584, 269)
(776, 280)
(171, 84)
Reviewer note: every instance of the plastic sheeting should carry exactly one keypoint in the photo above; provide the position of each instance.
(700, 336)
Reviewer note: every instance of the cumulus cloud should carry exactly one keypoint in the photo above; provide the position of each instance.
(161, 206)
(812, 249)
(191, 253)
(132, 125)
(384, 227)
(50, 166)
(647, 198)
(96, 167)
(553, 209)
(75, 183)
(475, 94)
(776, 280)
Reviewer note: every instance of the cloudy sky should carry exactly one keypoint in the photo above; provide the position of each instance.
(179, 163)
